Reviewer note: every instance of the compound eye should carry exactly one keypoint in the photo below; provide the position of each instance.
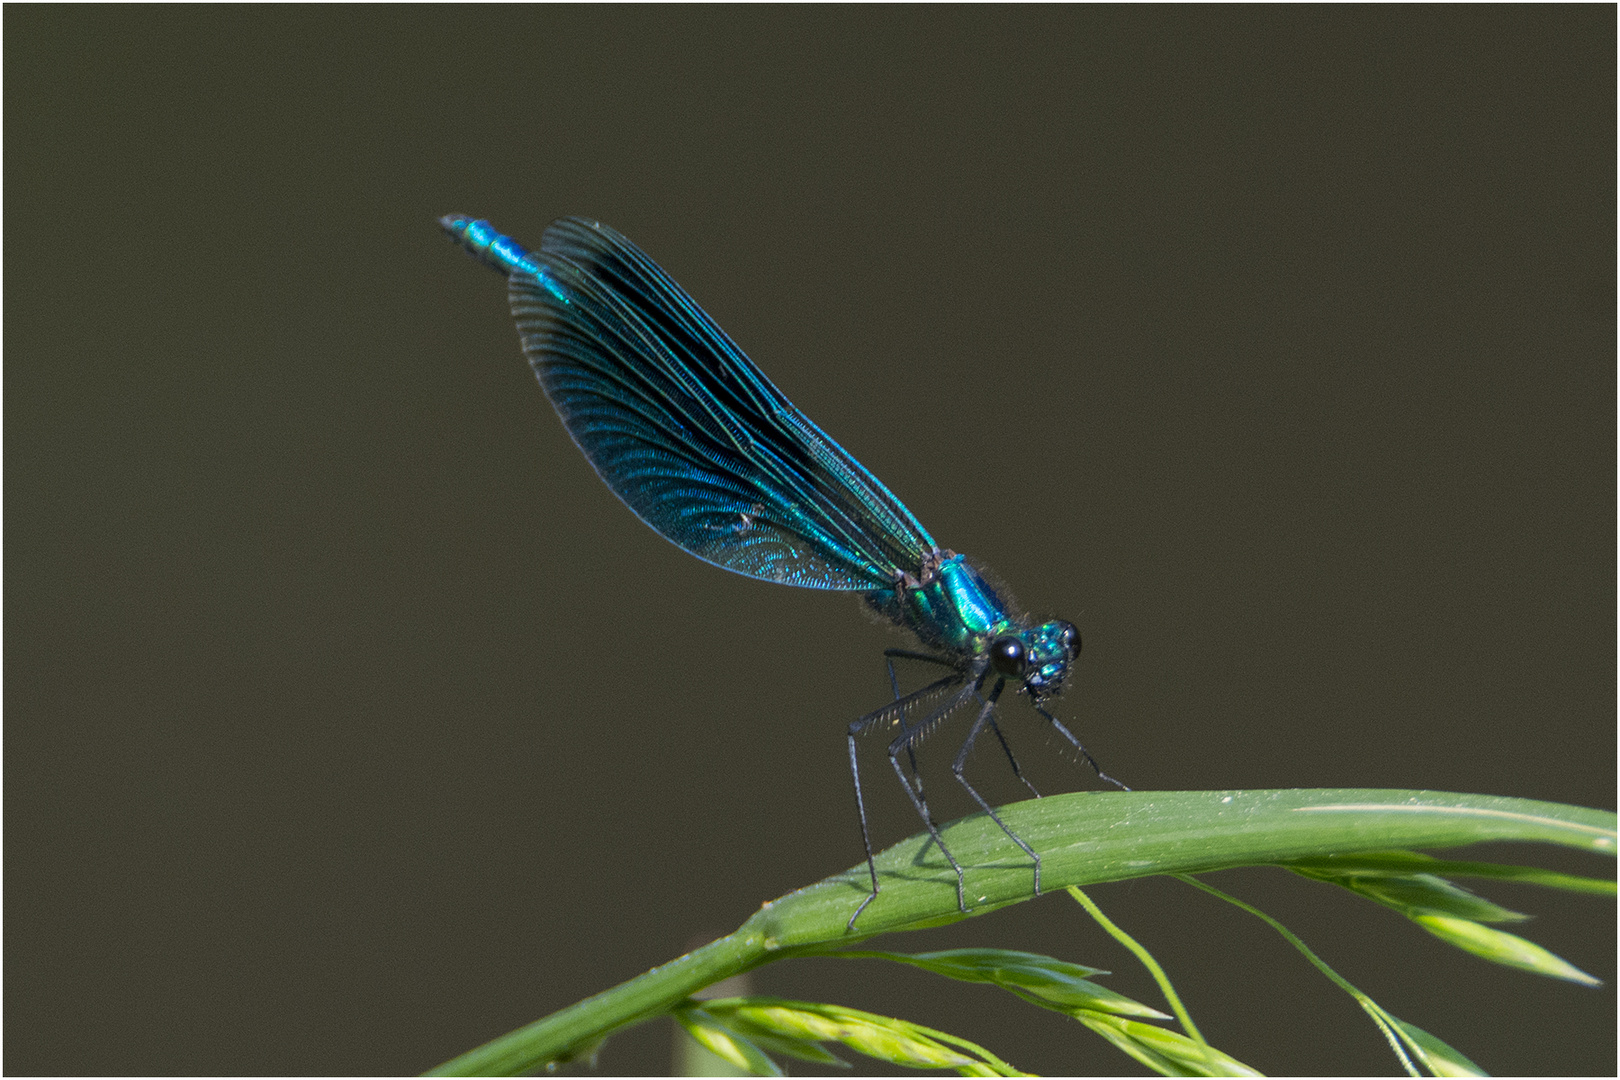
(1070, 637)
(1009, 657)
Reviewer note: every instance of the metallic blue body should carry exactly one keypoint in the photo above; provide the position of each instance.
(955, 611)
(708, 452)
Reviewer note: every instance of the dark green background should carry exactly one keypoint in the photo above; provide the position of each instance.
(351, 721)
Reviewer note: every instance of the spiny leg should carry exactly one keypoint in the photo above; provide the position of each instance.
(859, 727)
(986, 716)
(1002, 739)
(1006, 749)
(894, 684)
(905, 740)
(1067, 734)
(995, 729)
(896, 709)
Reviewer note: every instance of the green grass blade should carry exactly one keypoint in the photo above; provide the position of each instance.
(1089, 837)
(1083, 838)
(1401, 863)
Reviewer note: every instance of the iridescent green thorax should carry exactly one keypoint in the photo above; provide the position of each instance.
(952, 609)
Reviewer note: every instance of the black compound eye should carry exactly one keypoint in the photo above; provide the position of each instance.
(1009, 657)
(1071, 638)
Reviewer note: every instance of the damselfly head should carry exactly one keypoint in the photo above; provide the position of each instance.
(1039, 657)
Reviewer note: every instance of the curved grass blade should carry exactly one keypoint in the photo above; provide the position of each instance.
(1088, 837)
(1083, 838)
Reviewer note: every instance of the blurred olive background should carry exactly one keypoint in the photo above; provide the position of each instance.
(351, 721)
